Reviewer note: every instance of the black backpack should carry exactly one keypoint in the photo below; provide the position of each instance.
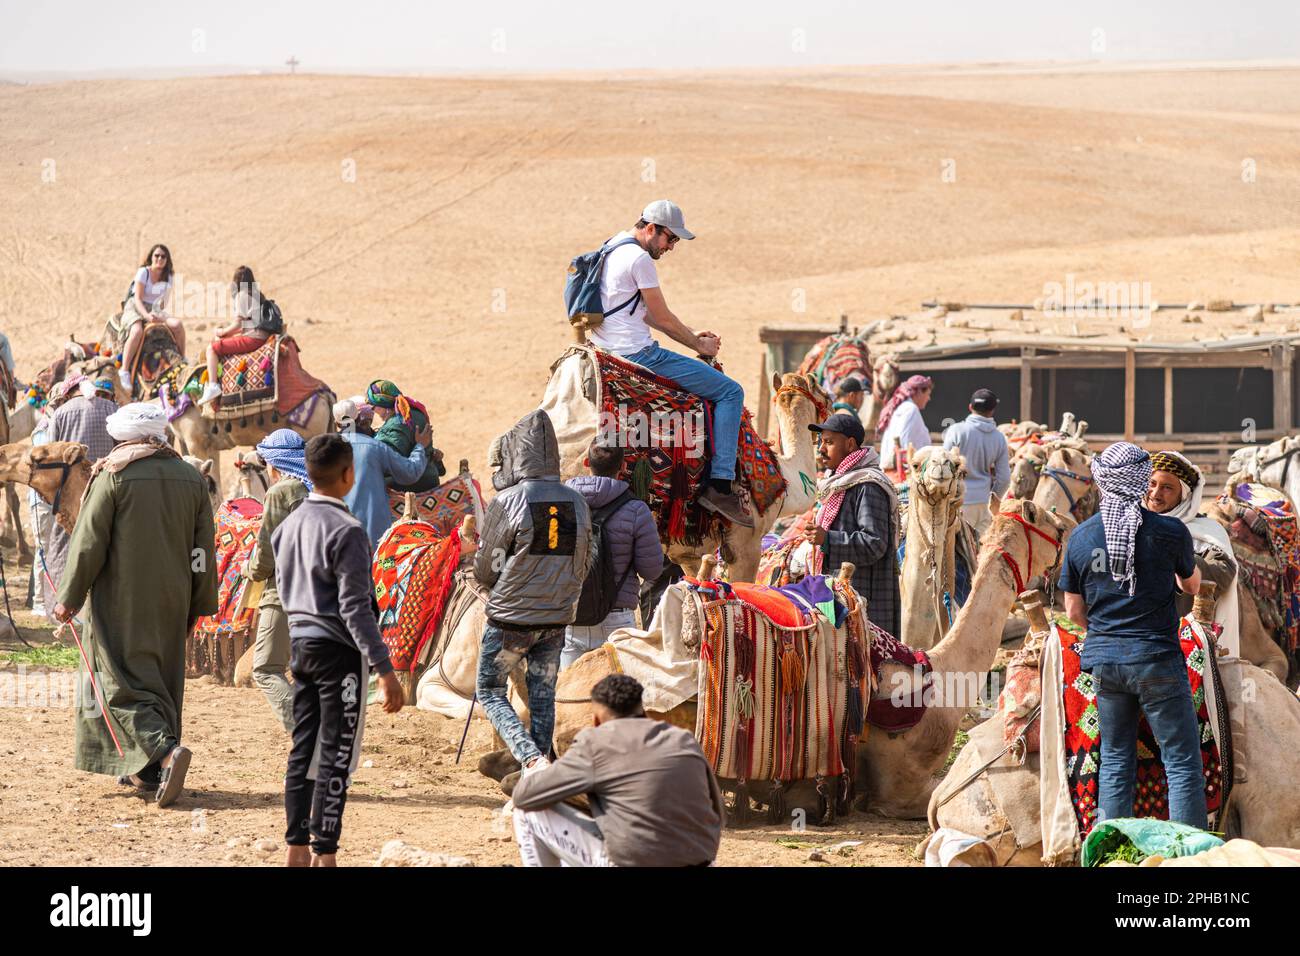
(270, 319)
(599, 589)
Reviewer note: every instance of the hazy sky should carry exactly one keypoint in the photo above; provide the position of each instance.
(382, 35)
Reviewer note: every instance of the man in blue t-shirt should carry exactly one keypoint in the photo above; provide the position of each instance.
(1119, 577)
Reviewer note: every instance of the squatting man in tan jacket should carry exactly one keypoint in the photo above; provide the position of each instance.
(654, 799)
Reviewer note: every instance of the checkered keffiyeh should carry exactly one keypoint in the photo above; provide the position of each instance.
(1122, 472)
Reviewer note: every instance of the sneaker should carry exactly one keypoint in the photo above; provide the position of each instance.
(124, 378)
(727, 506)
(537, 763)
(211, 392)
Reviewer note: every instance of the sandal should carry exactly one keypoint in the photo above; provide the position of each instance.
(173, 776)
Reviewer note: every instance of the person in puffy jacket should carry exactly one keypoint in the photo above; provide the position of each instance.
(632, 539)
(535, 548)
(988, 466)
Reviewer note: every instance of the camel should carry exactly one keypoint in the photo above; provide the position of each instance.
(1001, 803)
(1065, 483)
(895, 774)
(884, 379)
(14, 427)
(1270, 465)
(58, 472)
(569, 401)
(1026, 467)
(929, 563)
(204, 468)
(251, 479)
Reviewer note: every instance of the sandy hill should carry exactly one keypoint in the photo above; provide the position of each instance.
(441, 264)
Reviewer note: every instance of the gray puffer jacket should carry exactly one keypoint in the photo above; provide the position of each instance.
(535, 546)
(630, 534)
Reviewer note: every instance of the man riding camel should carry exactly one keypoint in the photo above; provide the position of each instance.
(634, 304)
(1175, 490)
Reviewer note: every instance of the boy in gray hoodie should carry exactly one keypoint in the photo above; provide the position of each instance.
(988, 464)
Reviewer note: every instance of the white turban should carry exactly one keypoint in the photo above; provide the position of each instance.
(136, 421)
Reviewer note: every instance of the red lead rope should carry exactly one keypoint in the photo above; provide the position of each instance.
(1011, 562)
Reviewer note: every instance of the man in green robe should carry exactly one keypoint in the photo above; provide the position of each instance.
(143, 548)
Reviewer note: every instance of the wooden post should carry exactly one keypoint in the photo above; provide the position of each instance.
(579, 334)
(1026, 385)
(846, 572)
(1281, 356)
(1204, 604)
(1035, 603)
(764, 398)
(1130, 393)
(464, 467)
(1169, 400)
(844, 323)
(1051, 395)
(468, 527)
(408, 507)
(708, 564)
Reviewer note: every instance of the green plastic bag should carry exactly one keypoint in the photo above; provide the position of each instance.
(1151, 838)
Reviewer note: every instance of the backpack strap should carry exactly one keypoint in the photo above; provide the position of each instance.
(606, 512)
(606, 250)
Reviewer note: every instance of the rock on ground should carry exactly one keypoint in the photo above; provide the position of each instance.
(397, 853)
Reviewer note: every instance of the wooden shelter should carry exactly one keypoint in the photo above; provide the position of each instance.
(1200, 379)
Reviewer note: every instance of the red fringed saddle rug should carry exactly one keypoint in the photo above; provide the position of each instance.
(412, 570)
(836, 358)
(444, 507)
(1083, 736)
(238, 521)
(669, 432)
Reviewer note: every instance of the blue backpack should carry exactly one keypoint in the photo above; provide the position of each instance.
(582, 287)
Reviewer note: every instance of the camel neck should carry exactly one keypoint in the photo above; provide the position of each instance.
(973, 642)
(796, 439)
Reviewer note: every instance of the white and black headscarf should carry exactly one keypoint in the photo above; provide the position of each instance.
(1122, 472)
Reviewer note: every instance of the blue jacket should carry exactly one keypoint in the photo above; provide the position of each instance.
(630, 534)
(376, 466)
(988, 465)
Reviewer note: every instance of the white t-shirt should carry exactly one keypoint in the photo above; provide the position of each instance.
(153, 291)
(905, 425)
(627, 269)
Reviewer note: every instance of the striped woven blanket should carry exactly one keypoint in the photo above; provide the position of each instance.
(779, 703)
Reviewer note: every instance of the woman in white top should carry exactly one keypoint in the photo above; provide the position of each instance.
(147, 299)
(901, 423)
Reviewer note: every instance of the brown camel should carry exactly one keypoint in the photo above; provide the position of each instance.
(13, 536)
(884, 379)
(896, 771)
(58, 472)
(937, 479)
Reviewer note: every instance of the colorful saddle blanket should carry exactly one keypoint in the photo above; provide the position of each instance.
(836, 358)
(412, 571)
(446, 506)
(778, 703)
(668, 432)
(1276, 582)
(268, 383)
(1083, 734)
(238, 521)
(158, 362)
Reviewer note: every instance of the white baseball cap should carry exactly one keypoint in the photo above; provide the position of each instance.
(666, 213)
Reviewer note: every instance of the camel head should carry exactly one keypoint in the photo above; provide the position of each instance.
(1025, 470)
(205, 470)
(251, 478)
(800, 396)
(938, 474)
(1030, 536)
(57, 471)
(1066, 483)
(884, 376)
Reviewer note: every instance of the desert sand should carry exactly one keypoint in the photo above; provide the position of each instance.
(440, 264)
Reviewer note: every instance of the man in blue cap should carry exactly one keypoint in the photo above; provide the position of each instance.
(285, 453)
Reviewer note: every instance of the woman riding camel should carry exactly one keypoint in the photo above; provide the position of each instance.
(148, 298)
(243, 335)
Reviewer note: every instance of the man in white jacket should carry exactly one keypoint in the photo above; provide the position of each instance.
(1175, 490)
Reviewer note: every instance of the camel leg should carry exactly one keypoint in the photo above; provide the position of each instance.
(13, 524)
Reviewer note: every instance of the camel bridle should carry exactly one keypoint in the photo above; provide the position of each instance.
(66, 468)
(1059, 475)
(1016, 572)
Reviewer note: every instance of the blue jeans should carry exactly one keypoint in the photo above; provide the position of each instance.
(1161, 691)
(500, 652)
(704, 380)
(578, 640)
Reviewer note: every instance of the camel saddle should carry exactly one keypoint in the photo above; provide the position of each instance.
(267, 381)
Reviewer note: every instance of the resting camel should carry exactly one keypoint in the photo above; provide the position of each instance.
(1262, 805)
(58, 472)
(569, 401)
(937, 485)
(895, 772)
(1272, 465)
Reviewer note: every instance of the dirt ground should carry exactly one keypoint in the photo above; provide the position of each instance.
(418, 229)
(409, 788)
